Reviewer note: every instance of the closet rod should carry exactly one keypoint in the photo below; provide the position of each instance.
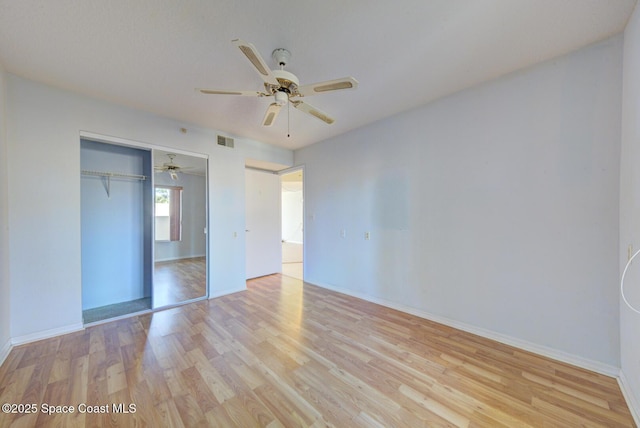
(110, 175)
(114, 174)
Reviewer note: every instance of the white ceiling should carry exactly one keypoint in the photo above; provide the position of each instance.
(190, 164)
(151, 54)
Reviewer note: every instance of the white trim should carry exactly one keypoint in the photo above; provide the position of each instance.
(226, 291)
(292, 169)
(180, 258)
(632, 401)
(544, 351)
(110, 139)
(4, 351)
(305, 221)
(121, 317)
(266, 171)
(46, 334)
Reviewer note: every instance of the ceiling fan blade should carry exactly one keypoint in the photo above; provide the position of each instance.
(306, 108)
(225, 92)
(328, 86)
(256, 60)
(272, 113)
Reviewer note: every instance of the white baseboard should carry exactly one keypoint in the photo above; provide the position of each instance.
(633, 402)
(220, 293)
(4, 351)
(46, 334)
(544, 351)
(173, 259)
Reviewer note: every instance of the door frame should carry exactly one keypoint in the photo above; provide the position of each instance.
(304, 211)
(108, 139)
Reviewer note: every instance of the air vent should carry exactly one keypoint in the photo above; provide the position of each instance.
(225, 141)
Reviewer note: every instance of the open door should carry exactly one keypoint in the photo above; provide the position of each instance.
(262, 217)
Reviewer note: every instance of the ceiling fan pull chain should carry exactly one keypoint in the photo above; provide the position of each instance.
(288, 110)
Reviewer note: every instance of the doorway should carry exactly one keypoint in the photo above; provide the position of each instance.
(262, 223)
(292, 191)
(116, 230)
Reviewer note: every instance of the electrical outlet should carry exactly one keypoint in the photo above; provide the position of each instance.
(343, 233)
(367, 236)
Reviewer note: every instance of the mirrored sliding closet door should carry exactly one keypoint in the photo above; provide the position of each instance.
(180, 225)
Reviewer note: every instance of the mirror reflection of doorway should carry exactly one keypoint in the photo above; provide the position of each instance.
(180, 224)
(292, 223)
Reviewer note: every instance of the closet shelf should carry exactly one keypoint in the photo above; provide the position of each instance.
(110, 175)
(114, 174)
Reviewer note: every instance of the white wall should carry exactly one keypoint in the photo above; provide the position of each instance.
(5, 318)
(194, 219)
(496, 207)
(630, 210)
(43, 135)
(292, 212)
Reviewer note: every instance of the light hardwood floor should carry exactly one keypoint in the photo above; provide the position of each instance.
(292, 260)
(177, 281)
(288, 354)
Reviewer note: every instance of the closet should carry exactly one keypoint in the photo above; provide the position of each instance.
(117, 230)
(144, 228)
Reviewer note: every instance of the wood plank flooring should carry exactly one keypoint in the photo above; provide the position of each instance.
(284, 354)
(180, 280)
(175, 281)
(292, 255)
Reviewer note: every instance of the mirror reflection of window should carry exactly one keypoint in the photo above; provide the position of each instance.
(180, 249)
(168, 213)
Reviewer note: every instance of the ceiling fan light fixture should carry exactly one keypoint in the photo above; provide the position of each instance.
(281, 98)
(174, 175)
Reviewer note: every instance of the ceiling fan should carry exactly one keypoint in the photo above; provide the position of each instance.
(284, 86)
(170, 167)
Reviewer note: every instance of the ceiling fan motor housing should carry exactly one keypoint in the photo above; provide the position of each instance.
(288, 83)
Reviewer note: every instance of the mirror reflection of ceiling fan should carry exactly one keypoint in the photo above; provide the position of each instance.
(284, 86)
(171, 167)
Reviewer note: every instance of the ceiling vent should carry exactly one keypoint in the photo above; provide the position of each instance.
(225, 141)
